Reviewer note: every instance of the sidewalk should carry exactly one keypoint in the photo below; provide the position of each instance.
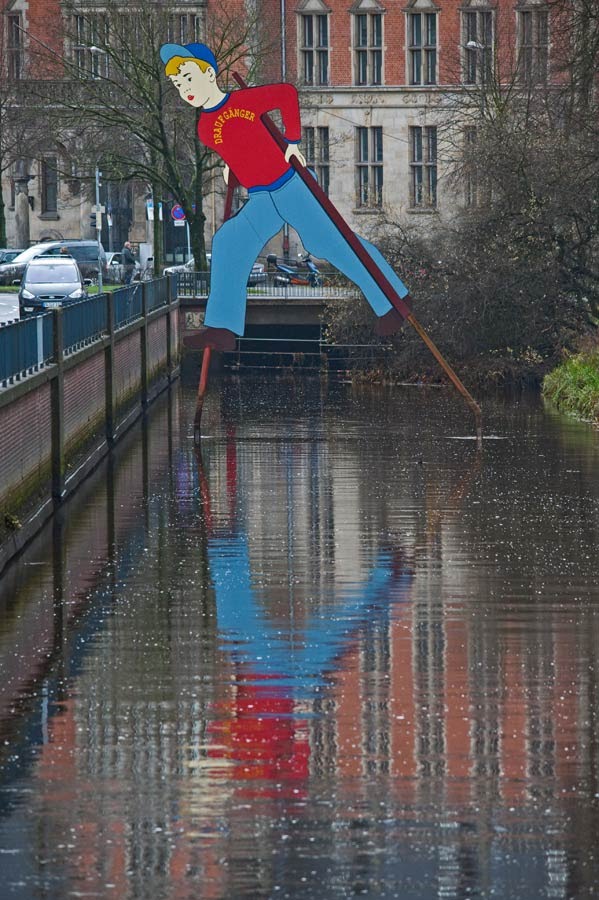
(9, 307)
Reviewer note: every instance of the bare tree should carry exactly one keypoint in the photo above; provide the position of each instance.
(122, 111)
(525, 159)
(514, 277)
(19, 133)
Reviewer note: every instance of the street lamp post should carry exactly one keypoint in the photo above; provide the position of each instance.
(97, 51)
(99, 229)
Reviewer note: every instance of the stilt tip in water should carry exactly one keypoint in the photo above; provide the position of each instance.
(479, 427)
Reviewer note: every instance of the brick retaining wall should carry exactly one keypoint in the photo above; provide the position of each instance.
(56, 424)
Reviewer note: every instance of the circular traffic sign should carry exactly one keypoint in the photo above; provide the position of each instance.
(177, 213)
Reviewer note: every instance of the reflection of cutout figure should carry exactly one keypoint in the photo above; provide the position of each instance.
(302, 663)
(231, 125)
(259, 726)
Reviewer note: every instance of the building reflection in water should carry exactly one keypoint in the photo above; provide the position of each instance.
(294, 668)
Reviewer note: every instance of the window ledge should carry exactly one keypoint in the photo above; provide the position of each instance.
(49, 216)
(367, 211)
(422, 210)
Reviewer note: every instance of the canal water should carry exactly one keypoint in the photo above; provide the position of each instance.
(341, 653)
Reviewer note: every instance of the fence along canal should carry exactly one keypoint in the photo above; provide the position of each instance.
(71, 381)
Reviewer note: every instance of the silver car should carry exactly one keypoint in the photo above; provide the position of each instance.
(88, 254)
(50, 282)
(256, 276)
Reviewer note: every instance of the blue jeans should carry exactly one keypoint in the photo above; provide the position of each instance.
(240, 239)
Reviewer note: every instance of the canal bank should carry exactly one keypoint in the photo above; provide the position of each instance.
(73, 381)
(574, 385)
(340, 653)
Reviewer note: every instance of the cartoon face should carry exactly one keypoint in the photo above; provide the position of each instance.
(194, 86)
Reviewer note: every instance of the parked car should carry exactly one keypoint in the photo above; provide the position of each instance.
(115, 270)
(7, 255)
(49, 282)
(189, 266)
(88, 254)
(257, 275)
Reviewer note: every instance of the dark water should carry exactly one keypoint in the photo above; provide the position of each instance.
(340, 655)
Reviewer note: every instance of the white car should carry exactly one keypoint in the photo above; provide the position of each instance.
(189, 266)
(115, 269)
(257, 275)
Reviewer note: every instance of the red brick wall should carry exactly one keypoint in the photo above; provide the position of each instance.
(25, 440)
(157, 345)
(46, 38)
(84, 393)
(127, 366)
(449, 39)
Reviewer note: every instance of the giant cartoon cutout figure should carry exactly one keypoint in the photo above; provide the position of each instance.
(232, 125)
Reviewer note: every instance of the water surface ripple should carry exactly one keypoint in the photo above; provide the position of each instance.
(339, 653)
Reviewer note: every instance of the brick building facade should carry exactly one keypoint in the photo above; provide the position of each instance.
(381, 85)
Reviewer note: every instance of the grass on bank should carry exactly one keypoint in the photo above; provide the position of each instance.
(574, 385)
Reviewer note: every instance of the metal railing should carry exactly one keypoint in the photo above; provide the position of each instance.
(25, 347)
(272, 286)
(156, 293)
(28, 345)
(84, 322)
(127, 304)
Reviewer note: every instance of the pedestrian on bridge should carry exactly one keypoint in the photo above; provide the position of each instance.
(128, 260)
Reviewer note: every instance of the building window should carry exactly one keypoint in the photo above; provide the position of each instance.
(314, 49)
(14, 47)
(316, 151)
(422, 48)
(477, 35)
(49, 186)
(423, 164)
(184, 28)
(471, 175)
(91, 31)
(533, 45)
(369, 166)
(477, 186)
(368, 48)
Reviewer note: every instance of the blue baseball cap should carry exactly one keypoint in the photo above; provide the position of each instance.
(197, 51)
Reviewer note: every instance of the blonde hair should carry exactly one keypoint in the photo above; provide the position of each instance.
(173, 65)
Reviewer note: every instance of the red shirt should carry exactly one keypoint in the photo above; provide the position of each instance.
(235, 131)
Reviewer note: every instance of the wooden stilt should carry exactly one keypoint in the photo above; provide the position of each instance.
(364, 256)
(207, 354)
(202, 386)
(457, 383)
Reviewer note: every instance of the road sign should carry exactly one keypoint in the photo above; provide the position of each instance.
(177, 213)
(178, 224)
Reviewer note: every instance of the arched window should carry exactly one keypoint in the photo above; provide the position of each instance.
(422, 42)
(314, 42)
(478, 40)
(367, 42)
(533, 41)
